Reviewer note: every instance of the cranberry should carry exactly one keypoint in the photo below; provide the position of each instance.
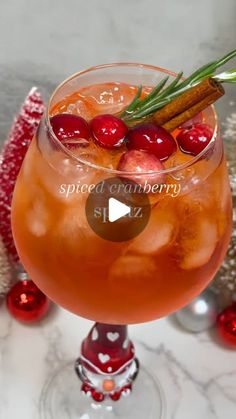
(108, 131)
(141, 161)
(152, 138)
(194, 139)
(71, 130)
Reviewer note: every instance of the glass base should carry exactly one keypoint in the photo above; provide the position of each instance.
(61, 398)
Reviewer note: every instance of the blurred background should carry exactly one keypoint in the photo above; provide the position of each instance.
(42, 43)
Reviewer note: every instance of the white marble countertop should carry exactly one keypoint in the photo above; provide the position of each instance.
(197, 373)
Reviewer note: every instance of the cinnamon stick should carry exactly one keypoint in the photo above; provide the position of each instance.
(189, 104)
(178, 120)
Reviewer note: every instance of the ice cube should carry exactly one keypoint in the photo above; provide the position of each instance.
(197, 242)
(159, 233)
(84, 110)
(199, 198)
(38, 217)
(184, 177)
(71, 108)
(131, 267)
(73, 222)
(98, 155)
(80, 107)
(177, 159)
(109, 97)
(61, 173)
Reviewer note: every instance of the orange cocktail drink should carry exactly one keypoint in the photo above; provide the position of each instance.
(150, 275)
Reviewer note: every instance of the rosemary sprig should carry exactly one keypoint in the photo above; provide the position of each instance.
(162, 94)
(228, 76)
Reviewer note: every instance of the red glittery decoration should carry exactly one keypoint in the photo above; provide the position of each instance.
(14, 150)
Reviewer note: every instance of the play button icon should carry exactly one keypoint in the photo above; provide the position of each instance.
(117, 209)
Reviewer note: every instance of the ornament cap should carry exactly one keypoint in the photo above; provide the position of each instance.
(22, 276)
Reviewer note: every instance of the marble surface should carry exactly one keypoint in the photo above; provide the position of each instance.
(197, 373)
(42, 43)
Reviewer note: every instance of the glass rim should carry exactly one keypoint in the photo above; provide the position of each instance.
(115, 172)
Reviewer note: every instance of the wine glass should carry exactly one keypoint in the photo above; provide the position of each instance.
(116, 282)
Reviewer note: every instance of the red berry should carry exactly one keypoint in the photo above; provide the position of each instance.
(153, 139)
(71, 130)
(108, 131)
(194, 139)
(141, 161)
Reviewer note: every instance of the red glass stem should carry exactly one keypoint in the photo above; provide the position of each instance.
(107, 365)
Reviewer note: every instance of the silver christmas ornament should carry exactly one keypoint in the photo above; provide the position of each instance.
(200, 314)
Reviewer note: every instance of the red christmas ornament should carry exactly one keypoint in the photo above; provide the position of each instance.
(226, 323)
(14, 150)
(26, 302)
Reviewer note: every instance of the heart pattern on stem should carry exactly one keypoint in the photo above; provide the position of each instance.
(94, 334)
(113, 336)
(125, 344)
(103, 358)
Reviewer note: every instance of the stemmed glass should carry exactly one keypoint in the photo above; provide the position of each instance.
(116, 283)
